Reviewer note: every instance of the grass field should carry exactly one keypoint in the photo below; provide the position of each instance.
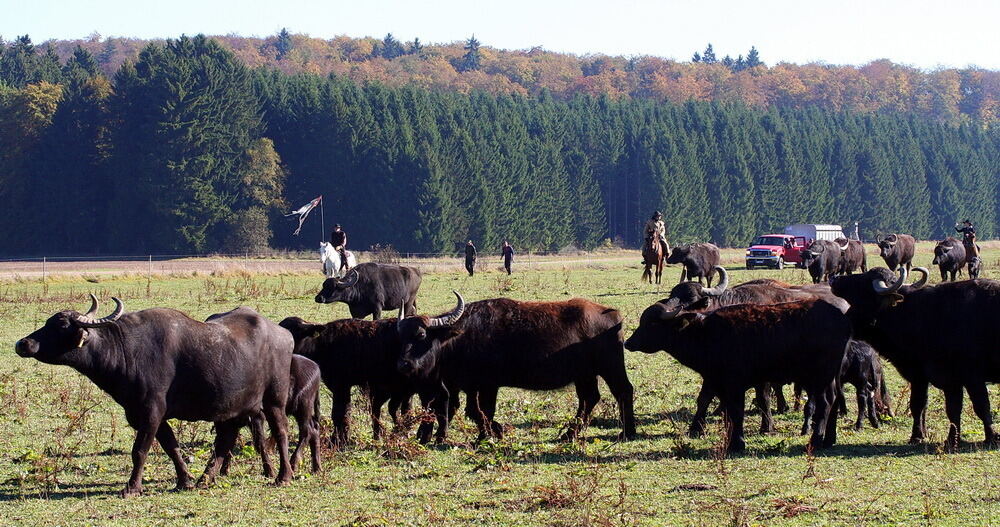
(64, 444)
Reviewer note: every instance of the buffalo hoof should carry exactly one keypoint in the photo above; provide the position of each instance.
(916, 440)
(269, 472)
(630, 435)
(129, 492)
(184, 484)
(283, 481)
(858, 427)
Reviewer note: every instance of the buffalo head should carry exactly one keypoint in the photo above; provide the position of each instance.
(694, 296)
(64, 333)
(338, 290)
(656, 326)
(423, 337)
(679, 253)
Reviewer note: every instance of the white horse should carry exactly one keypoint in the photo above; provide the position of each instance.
(331, 260)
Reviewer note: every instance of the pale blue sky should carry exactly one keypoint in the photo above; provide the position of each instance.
(922, 33)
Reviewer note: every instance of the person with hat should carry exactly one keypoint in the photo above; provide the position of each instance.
(965, 229)
(656, 227)
(338, 239)
(470, 258)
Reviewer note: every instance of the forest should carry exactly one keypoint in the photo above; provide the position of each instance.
(188, 147)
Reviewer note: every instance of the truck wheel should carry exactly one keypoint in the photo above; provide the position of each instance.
(749, 267)
(780, 264)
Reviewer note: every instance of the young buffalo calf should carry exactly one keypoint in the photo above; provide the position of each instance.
(863, 369)
(735, 348)
(303, 403)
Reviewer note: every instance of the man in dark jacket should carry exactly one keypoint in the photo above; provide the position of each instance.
(338, 239)
(966, 228)
(470, 258)
(508, 256)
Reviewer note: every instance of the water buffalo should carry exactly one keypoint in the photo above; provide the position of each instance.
(949, 256)
(532, 345)
(360, 353)
(371, 288)
(303, 403)
(691, 296)
(852, 256)
(944, 335)
(699, 260)
(159, 364)
(805, 343)
(822, 259)
(896, 250)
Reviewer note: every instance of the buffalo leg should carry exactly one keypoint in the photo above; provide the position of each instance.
(616, 378)
(763, 401)
(823, 399)
(144, 434)
(341, 411)
(918, 407)
(981, 404)
(488, 405)
(953, 399)
(779, 397)
(257, 431)
(226, 433)
(278, 422)
(807, 414)
(437, 401)
(861, 394)
(705, 396)
(377, 399)
(587, 395)
(830, 438)
(165, 435)
(475, 413)
(734, 404)
(798, 396)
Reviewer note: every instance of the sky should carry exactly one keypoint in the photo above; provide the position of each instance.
(920, 33)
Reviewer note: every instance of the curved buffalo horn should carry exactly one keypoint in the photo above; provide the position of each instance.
(815, 246)
(881, 288)
(345, 283)
(667, 315)
(88, 321)
(947, 248)
(923, 279)
(452, 317)
(878, 240)
(845, 246)
(721, 286)
(401, 312)
(93, 306)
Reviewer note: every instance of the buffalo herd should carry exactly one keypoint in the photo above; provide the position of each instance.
(238, 368)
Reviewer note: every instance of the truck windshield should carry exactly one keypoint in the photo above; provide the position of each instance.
(769, 240)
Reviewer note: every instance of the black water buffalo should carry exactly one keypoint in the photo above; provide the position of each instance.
(944, 335)
(691, 296)
(303, 404)
(360, 353)
(532, 345)
(949, 256)
(896, 250)
(852, 256)
(863, 369)
(822, 259)
(371, 288)
(699, 260)
(159, 364)
(805, 343)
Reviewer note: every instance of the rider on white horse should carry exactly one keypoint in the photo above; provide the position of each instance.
(335, 254)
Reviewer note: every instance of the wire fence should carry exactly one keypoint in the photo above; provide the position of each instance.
(285, 262)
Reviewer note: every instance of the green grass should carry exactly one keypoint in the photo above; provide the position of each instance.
(64, 444)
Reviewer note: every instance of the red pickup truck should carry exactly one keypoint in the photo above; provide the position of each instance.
(775, 251)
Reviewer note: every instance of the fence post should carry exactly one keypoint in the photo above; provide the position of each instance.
(45, 284)
(149, 276)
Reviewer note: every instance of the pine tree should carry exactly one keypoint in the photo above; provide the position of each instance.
(753, 58)
(283, 44)
(708, 56)
(473, 57)
(391, 48)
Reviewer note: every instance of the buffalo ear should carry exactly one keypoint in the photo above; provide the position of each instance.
(686, 319)
(702, 303)
(893, 299)
(443, 334)
(82, 335)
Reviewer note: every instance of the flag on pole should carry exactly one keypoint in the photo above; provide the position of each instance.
(303, 212)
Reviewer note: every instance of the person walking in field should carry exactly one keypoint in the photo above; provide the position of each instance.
(508, 256)
(470, 258)
(338, 239)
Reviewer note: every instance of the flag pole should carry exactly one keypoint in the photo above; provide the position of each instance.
(322, 219)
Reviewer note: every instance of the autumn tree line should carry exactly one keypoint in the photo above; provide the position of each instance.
(188, 149)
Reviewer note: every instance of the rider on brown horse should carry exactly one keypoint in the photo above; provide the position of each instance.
(656, 227)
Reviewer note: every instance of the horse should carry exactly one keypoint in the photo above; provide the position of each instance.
(972, 258)
(330, 258)
(652, 255)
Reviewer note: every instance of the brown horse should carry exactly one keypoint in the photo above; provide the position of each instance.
(975, 263)
(652, 255)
